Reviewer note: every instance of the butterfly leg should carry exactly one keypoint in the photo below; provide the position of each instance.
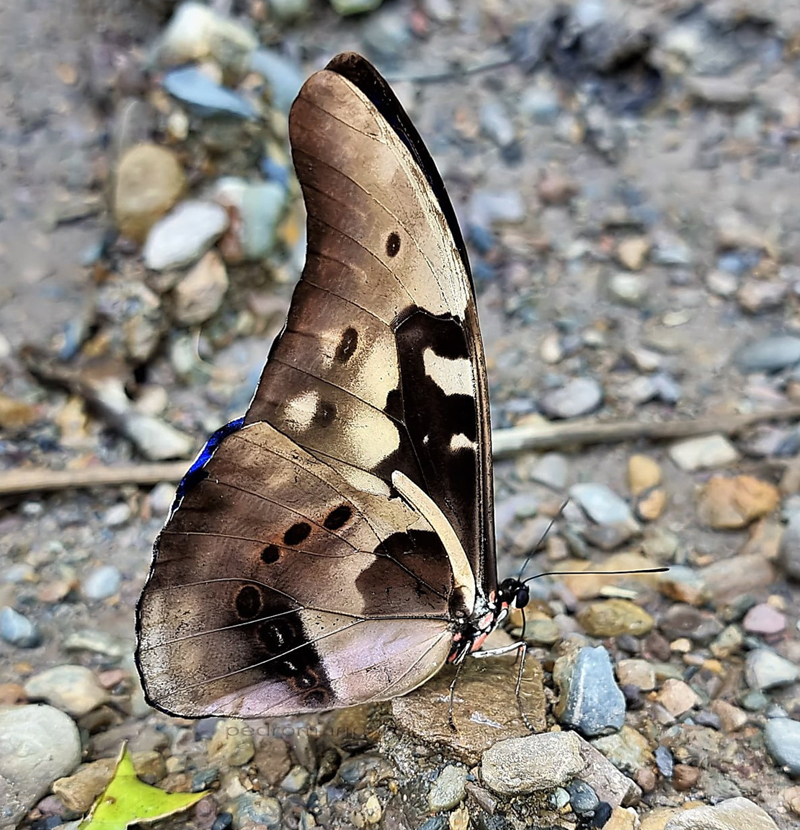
(450, 718)
(521, 649)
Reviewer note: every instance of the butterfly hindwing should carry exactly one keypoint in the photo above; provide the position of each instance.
(291, 576)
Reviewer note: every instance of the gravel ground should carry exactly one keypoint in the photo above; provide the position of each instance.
(625, 174)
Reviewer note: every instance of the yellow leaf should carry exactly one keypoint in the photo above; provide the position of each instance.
(127, 800)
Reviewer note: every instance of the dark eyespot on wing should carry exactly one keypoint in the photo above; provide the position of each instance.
(338, 517)
(393, 244)
(347, 345)
(248, 602)
(270, 554)
(325, 414)
(297, 533)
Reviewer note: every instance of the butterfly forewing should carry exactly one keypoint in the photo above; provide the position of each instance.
(291, 576)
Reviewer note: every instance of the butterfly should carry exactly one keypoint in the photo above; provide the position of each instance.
(335, 545)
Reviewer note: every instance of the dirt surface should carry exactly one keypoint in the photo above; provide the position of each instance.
(627, 181)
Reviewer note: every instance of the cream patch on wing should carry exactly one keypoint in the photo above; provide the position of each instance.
(370, 435)
(461, 442)
(300, 410)
(452, 375)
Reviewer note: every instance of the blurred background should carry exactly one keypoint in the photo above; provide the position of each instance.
(626, 176)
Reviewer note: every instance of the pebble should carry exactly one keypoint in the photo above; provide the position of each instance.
(650, 506)
(489, 206)
(496, 123)
(98, 642)
(73, 689)
(730, 503)
(628, 750)
(199, 295)
(231, 743)
(764, 670)
(149, 181)
(532, 763)
(17, 630)
(589, 699)
(38, 744)
(102, 583)
(184, 235)
(764, 620)
(731, 717)
(582, 797)
(643, 473)
(542, 631)
(759, 296)
(196, 32)
(552, 470)
(252, 808)
(726, 93)
(737, 575)
(160, 498)
(721, 283)
(348, 7)
(769, 355)
(628, 289)
(683, 620)
(541, 104)
(632, 252)
(78, 792)
(729, 641)
(577, 397)
(117, 515)
(790, 546)
(703, 453)
(732, 814)
(685, 777)
(664, 761)
(601, 504)
(615, 617)
(635, 672)
(678, 697)
(448, 790)
(258, 208)
(204, 96)
(556, 189)
(282, 76)
(288, 11)
(296, 779)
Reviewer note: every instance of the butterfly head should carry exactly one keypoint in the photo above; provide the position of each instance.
(514, 593)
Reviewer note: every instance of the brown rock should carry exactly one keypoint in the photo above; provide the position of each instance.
(272, 760)
(729, 503)
(199, 294)
(737, 575)
(588, 586)
(646, 779)
(765, 539)
(632, 252)
(731, 717)
(792, 798)
(685, 777)
(615, 617)
(621, 819)
(556, 188)
(643, 473)
(651, 505)
(149, 182)
(678, 697)
(11, 694)
(637, 673)
(79, 791)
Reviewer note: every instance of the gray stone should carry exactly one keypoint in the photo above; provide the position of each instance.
(73, 689)
(98, 642)
(764, 669)
(601, 504)
(205, 97)
(607, 782)
(628, 750)
(184, 235)
(252, 808)
(590, 700)
(577, 397)
(296, 780)
(704, 452)
(533, 763)
(38, 744)
(17, 630)
(769, 355)
(283, 77)
(683, 620)
(102, 583)
(496, 124)
(348, 7)
(488, 206)
(448, 790)
(552, 470)
(628, 289)
(199, 294)
(733, 814)
(790, 546)
(259, 207)
(783, 742)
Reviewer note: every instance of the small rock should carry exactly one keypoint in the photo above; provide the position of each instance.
(687, 621)
(615, 617)
(722, 283)
(73, 689)
(650, 506)
(678, 697)
(78, 791)
(732, 814)
(628, 750)
(556, 189)
(184, 235)
(737, 575)
(448, 790)
(200, 293)
(632, 252)
(257, 210)
(764, 620)
(579, 396)
(117, 515)
(252, 808)
(18, 630)
(609, 784)
(729, 641)
(628, 289)
(102, 583)
(204, 96)
(38, 744)
(729, 503)
(643, 473)
(542, 631)
(726, 93)
(769, 355)
(348, 7)
(684, 777)
(764, 669)
(703, 453)
(373, 811)
(161, 497)
(282, 75)
(532, 763)
(540, 104)
(790, 546)
(552, 470)
(272, 760)
(635, 672)
(489, 206)
(98, 642)
(496, 124)
(296, 779)
(601, 504)
(589, 699)
(582, 797)
(232, 743)
(621, 819)
(758, 296)
(149, 182)
(684, 584)
(731, 717)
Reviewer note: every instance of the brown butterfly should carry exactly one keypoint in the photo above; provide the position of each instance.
(336, 545)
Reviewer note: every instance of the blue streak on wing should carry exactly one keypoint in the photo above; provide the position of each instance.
(197, 471)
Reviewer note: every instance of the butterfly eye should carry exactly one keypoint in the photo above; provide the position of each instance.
(523, 596)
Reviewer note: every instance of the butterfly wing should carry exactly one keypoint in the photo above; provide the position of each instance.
(290, 576)
(380, 366)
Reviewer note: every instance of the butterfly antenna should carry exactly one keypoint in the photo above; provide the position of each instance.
(543, 537)
(660, 570)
